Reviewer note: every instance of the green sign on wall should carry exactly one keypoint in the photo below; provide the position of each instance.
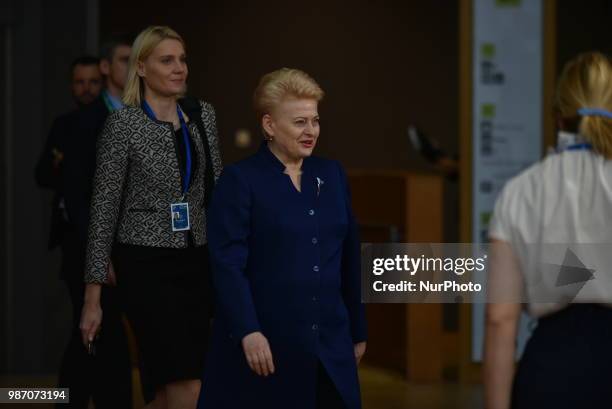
(507, 3)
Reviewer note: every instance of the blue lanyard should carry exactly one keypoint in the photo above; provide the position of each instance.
(579, 147)
(185, 132)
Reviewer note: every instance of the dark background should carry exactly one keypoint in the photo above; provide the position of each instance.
(383, 65)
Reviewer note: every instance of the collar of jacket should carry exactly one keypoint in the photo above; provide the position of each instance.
(186, 106)
(269, 157)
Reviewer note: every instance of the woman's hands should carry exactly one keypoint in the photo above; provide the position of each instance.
(360, 349)
(91, 316)
(258, 354)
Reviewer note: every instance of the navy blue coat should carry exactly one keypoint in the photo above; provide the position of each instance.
(286, 263)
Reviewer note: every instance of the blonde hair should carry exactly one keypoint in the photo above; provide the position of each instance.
(586, 82)
(286, 82)
(143, 46)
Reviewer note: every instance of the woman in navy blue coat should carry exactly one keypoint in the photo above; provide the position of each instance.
(290, 326)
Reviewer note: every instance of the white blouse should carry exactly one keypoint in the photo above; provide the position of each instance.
(557, 216)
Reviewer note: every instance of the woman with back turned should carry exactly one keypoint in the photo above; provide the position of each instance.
(157, 161)
(290, 327)
(548, 222)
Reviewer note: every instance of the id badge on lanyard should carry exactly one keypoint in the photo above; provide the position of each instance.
(179, 212)
(180, 216)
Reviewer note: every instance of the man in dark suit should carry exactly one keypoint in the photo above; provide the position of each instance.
(80, 166)
(86, 84)
(104, 374)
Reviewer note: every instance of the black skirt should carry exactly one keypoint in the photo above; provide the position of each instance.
(567, 362)
(167, 296)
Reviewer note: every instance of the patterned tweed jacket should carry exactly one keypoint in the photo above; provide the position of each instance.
(137, 179)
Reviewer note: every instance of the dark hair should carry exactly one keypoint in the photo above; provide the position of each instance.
(108, 47)
(84, 60)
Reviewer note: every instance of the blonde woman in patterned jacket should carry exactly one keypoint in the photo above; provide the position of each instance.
(157, 161)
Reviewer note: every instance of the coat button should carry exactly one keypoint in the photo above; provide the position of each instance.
(314, 240)
(315, 269)
(315, 327)
(311, 212)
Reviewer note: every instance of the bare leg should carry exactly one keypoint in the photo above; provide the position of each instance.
(183, 394)
(160, 401)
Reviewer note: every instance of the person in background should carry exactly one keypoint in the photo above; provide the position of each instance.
(114, 56)
(87, 376)
(290, 327)
(157, 161)
(562, 202)
(86, 80)
(85, 86)
(88, 123)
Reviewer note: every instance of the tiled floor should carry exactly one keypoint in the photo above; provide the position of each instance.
(380, 390)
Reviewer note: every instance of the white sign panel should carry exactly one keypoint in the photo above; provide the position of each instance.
(507, 109)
